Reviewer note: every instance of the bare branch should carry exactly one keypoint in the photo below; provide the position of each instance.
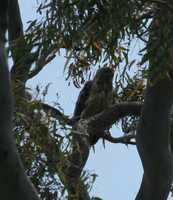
(111, 115)
(101, 120)
(54, 112)
(42, 61)
(164, 3)
(126, 139)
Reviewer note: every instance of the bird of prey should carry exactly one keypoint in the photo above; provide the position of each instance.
(95, 97)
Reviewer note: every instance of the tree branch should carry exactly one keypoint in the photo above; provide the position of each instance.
(14, 183)
(73, 165)
(125, 139)
(153, 134)
(102, 120)
(18, 48)
(111, 115)
(81, 145)
(163, 3)
(70, 173)
(42, 61)
(15, 26)
(54, 112)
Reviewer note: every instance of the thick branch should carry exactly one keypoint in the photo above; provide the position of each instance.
(152, 142)
(16, 36)
(153, 135)
(15, 26)
(74, 164)
(102, 120)
(111, 115)
(81, 145)
(19, 52)
(14, 183)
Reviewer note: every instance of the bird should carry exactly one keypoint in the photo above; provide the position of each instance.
(96, 96)
(82, 98)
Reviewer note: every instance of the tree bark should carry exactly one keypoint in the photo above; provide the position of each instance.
(153, 135)
(14, 183)
(153, 142)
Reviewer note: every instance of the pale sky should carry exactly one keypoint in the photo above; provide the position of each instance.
(118, 167)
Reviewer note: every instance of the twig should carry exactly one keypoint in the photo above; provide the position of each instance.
(126, 139)
(57, 114)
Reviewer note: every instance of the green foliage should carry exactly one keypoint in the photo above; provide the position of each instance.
(90, 32)
(44, 145)
(39, 145)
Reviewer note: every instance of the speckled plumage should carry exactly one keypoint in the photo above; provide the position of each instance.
(95, 97)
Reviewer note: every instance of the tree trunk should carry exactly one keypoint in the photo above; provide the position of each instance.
(153, 136)
(14, 183)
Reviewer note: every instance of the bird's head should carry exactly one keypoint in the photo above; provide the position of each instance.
(104, 74)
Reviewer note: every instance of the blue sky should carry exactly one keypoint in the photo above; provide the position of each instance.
(118, 167)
